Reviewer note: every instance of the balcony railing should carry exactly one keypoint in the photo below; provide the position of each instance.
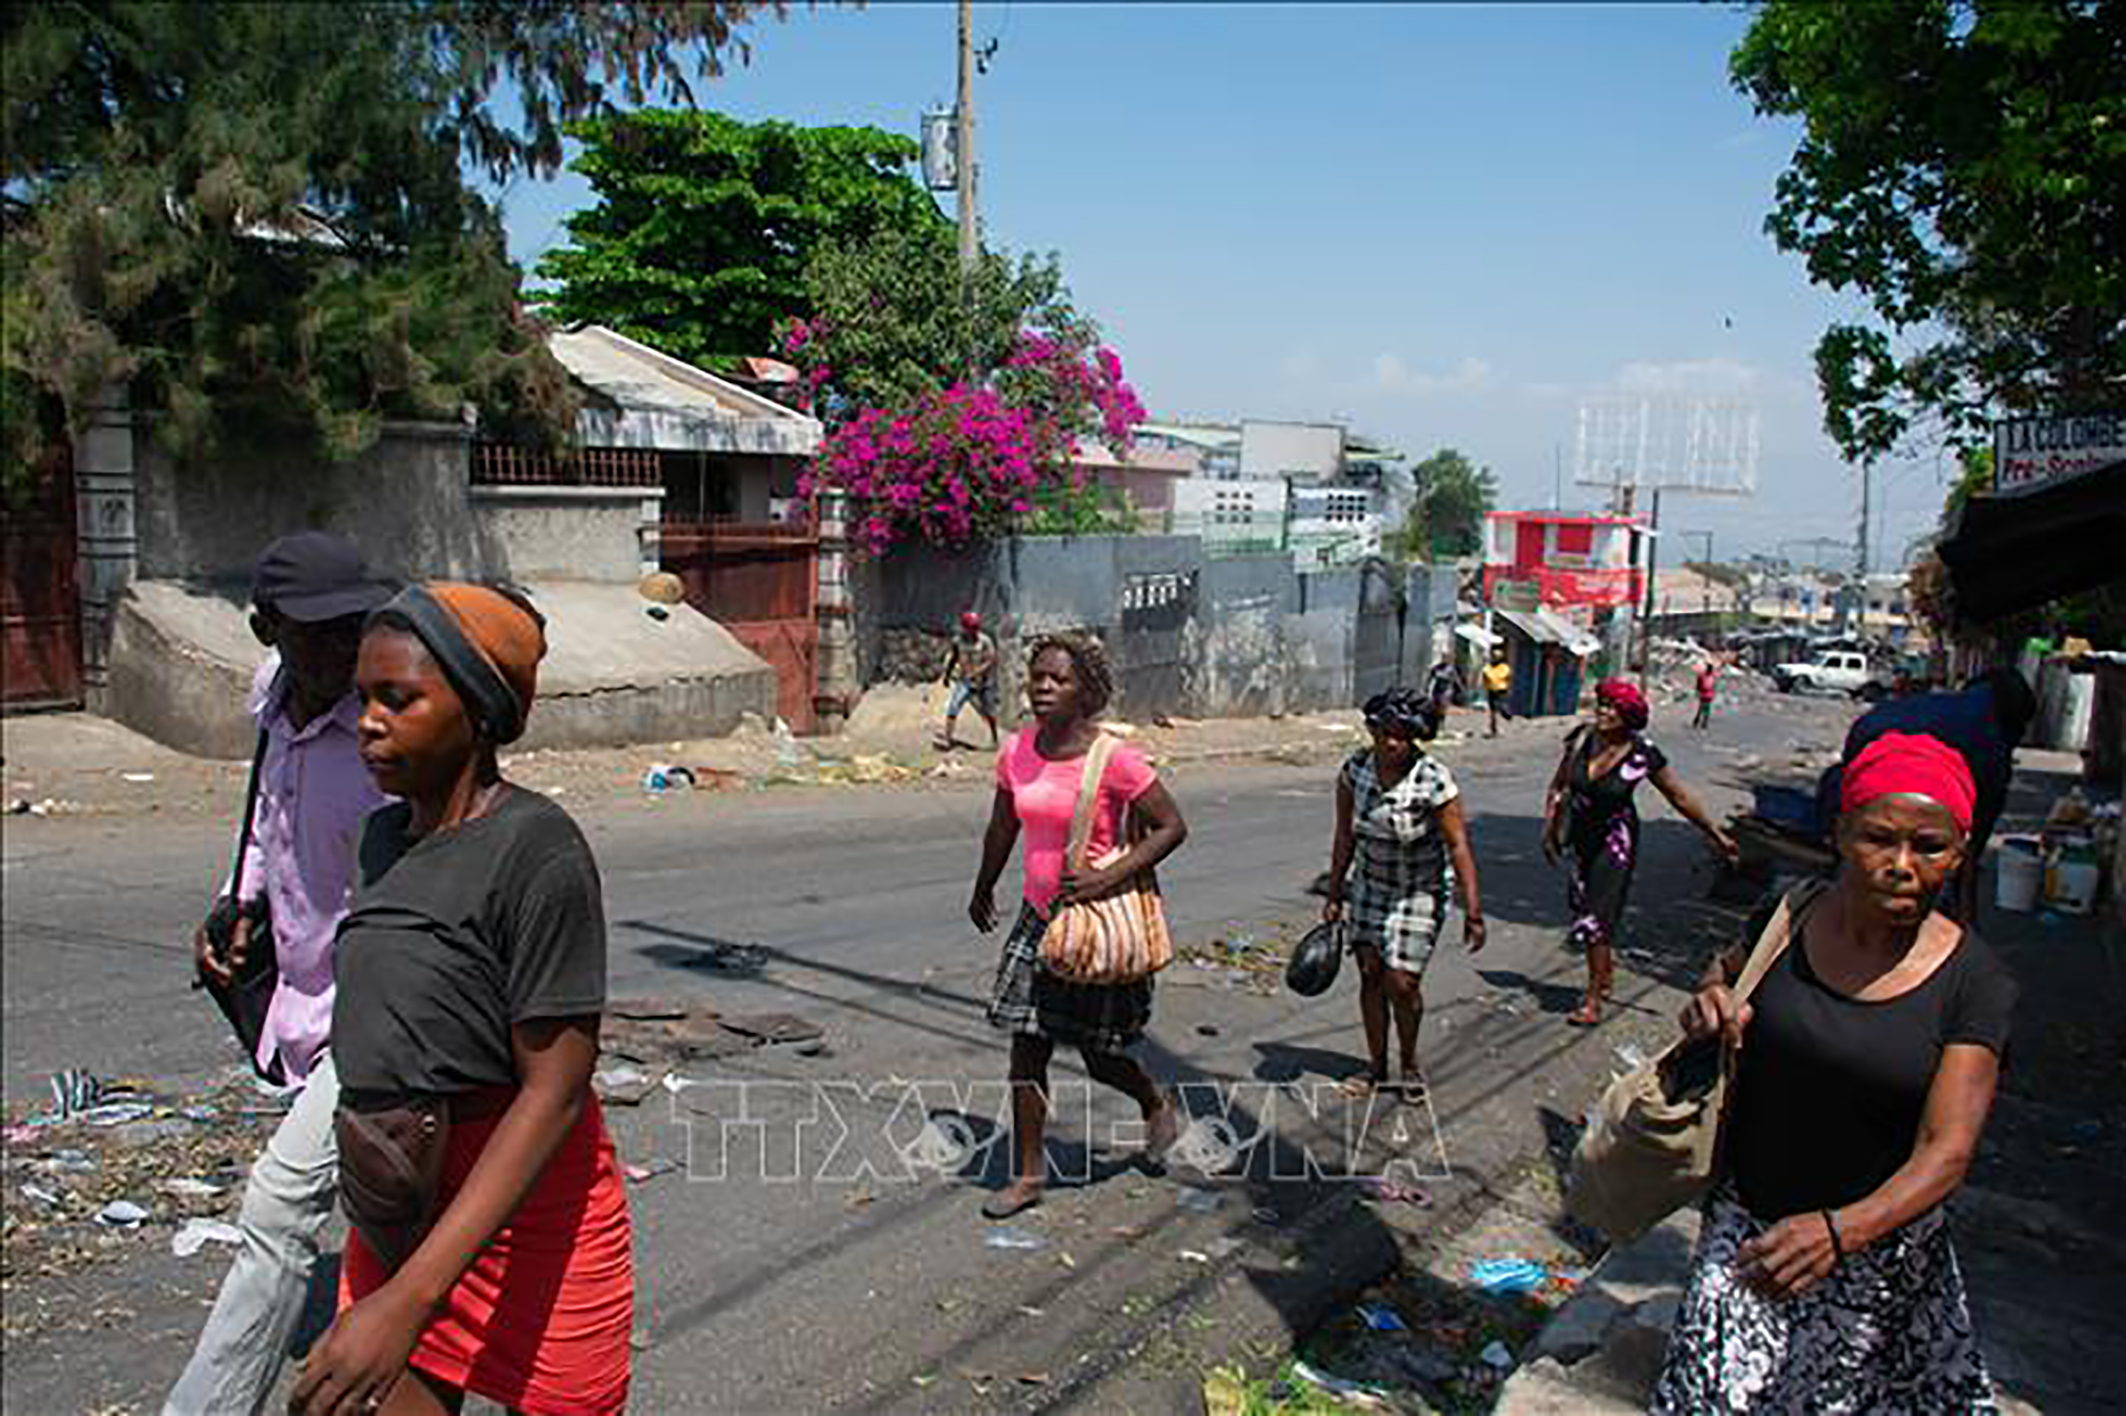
(505, 465)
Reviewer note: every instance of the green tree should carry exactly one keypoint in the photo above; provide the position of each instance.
(1446, 519)
(705, 225)
(889, 320)
(1962, 167)
(261, 215)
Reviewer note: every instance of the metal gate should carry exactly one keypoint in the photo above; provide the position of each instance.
(1149, 653)
(40, 595)
(760, 581)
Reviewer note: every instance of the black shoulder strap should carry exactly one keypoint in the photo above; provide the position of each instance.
(243, 837)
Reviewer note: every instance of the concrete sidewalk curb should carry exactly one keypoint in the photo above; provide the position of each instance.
(1603, 1347)
(1247, 1322)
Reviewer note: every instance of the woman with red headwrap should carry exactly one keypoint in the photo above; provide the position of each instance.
(1591, 811)
(1824, 1278)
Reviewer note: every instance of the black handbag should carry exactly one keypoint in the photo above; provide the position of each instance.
(247, 996)
(1315, 962)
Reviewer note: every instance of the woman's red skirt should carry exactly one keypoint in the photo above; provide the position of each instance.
(541, 1321)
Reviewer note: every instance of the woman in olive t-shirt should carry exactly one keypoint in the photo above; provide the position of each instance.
(1824, 1278)
(472, 969)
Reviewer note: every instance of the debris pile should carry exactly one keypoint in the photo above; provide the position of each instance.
(108, 1165)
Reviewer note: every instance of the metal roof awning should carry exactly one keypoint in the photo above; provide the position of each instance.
(2007, 554)
(1543, 627)
(652, 400)
(1476, 634)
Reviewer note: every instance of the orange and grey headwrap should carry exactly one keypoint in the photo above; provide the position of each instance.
(488, 641)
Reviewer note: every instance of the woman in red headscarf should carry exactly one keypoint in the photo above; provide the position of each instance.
(1824, 1278)
(1590, 812)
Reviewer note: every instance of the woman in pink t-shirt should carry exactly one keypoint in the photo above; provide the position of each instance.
(1039, 772)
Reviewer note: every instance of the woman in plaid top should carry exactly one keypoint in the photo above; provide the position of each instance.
(1399, 818)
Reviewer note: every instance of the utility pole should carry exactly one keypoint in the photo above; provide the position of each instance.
(963, 142)
(1860, 597)
(1653, 552)
(1867, 498)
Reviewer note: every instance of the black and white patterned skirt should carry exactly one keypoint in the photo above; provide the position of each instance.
(1099, 1017)
(1887, 1333)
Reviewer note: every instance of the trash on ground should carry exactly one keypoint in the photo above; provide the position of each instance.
(1225, 1393)
(1392, 1192)
(664, 777)
(74, 1091)
(1193, 1256)
(1357, 1393)
(1496, 1355)
(1198, 1201)
(121, 1214)
(1381, 1318)
(1629, 1054)
(195, 1234)
(68, 1162)
(651, 1169)
(42, 1196)
(622, 1086)
(1010, 1236)
(185, 1187)
(138, 776)
(1508, 1275)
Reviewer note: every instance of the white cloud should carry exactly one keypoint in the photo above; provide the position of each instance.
(1392, 375)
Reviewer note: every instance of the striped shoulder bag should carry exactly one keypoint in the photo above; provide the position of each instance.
(1120, 937)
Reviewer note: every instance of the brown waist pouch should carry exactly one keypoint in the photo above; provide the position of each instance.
(392, 1151)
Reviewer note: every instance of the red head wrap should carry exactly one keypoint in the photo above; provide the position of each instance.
(1900, 764)
(970, 620)
(1624, 696)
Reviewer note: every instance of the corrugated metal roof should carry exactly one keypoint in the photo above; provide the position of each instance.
(667, 403)
(1543, 627)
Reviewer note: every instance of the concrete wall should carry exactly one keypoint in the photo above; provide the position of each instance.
(1188, 634)
(183, 658)
(180, 651)
(569, 533)
(1240, 652)
(405, 502)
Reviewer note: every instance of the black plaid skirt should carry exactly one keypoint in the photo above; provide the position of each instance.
(1099, 1017)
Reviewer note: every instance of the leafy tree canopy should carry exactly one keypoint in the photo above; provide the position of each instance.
(705, 226)
(258, 214)
(1963, 168)
(1447, 518)
(890, 322)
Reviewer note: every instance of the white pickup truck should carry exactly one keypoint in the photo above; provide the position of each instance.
(1834, 671)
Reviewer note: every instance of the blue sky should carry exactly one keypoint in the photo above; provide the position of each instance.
(1443, 225)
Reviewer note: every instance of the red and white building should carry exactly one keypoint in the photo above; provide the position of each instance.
(1571, 558)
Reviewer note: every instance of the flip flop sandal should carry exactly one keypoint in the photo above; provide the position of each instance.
(1011, 1200)
(1363, 1085)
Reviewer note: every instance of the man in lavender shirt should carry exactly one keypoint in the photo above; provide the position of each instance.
(310, 594)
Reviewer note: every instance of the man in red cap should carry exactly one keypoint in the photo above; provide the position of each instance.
(971, 669)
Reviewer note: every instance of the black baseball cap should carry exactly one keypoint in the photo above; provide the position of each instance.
(312, 576)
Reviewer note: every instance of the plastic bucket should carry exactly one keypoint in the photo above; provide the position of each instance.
(2074, 885)
(2018, 874)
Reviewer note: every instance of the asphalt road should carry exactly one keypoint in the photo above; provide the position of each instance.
(775, 1291)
